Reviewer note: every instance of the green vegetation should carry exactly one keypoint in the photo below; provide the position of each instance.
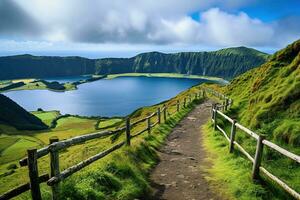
(33, 84)
(266, 99)
(14, 115)
(232, 171)
(167, 75)
(46, 117)
(225, 63)
(38, 84)
(121, 175)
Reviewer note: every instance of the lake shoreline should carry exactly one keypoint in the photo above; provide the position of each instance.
(42, 84)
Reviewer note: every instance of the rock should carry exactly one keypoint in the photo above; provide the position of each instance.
(191, 118)
(176, 152)
(163, 175)
(180, 176)
(191, 158)
(174, 183)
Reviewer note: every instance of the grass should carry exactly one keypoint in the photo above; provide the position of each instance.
(105, 124)
(167, 75)
(266, 100)
(137, 158)
(46, 117)
(122, 175)
(33, 84)
(233, 171)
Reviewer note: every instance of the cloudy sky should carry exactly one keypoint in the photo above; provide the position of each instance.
(122, 28)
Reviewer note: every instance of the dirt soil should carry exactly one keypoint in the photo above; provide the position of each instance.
(180, 175)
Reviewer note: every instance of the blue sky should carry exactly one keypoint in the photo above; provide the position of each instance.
(113, 28)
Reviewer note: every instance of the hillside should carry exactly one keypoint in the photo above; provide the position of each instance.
(268, 98)
(14, 115)
(225, 63)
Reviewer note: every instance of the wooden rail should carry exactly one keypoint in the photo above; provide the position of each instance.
(56, 176)
(261, 142)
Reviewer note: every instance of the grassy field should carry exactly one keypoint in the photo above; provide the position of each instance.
(33, 84)
(16, 142)
(234, 170)
(168, 75)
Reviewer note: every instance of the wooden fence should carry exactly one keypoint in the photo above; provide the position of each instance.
(260, 139)
(56, 176)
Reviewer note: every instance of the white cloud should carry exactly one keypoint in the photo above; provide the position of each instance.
(77, 23)
(228, 29)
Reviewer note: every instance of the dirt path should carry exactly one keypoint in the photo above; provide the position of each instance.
(179, 176)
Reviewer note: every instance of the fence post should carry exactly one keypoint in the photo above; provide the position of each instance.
(33, 174)
(232, 136)
(215, 117)
(184, 102)
(54, 168)
(226, 103)
(212, 110)
(128, 131)
(158, 115)
(149, 124)
(258, 157)
(178, 105)
(165, 113)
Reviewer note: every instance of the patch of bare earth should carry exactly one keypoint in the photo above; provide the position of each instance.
(179, 174)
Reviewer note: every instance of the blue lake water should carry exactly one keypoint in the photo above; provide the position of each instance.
(115, 97)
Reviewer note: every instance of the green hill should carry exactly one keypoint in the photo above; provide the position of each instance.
(225, 63)
(268, 98)
(14, 115)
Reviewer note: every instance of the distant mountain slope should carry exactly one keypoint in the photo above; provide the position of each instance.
(268, 97)
(14, 115)
(225, 63)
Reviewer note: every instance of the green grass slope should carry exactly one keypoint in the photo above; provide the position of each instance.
(14, 115)
(268, 98)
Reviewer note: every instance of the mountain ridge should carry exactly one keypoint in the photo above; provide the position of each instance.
(224, 63)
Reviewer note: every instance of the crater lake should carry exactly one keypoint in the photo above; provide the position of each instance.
(106, 97)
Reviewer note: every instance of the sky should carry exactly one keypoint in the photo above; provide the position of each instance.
(124, 28)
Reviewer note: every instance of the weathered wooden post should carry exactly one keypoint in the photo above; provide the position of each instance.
(258, 157)
(232, 136)
(215, 117)
(226, 103)
(178, 105)
(184, 102)
(165, 113)
(158, 115)
(54, 168)
(212, 110)
(33, 174)
(128, 131)
(149, 124)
